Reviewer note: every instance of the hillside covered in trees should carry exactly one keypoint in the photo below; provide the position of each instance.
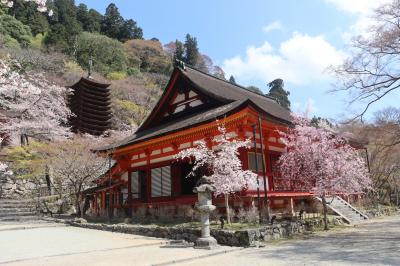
(63, 45)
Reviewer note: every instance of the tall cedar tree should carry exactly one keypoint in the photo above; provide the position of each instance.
(192, 51)
(277, 92)
(64, 27)
(112, 22)
(90, 19)
(129, 31)
(93, 23)
(179, 51)
(114, 26)
(27, 13)
(232, 79)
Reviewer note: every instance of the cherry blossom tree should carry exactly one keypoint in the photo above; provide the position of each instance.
(223, 163)
(36, 108)
(73, 166)
(3, 166)
(41, 5)
(322, 162)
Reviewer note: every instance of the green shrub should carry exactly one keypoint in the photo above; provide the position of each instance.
(9, 26)
(8, 42)
(116, 75)
(133, 71)
(107, 54)
(37, 41)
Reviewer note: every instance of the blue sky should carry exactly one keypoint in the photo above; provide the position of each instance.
(260, 40)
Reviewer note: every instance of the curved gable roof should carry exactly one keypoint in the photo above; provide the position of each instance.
(232, 97)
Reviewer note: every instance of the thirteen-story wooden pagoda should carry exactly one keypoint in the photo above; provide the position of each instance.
(90, 103)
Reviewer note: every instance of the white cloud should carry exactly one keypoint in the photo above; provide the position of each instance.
(275, 25)
(301, 60)
(307, 108)
(363, 10)
(359, 7)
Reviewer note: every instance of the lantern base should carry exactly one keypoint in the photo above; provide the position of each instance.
(206, 243)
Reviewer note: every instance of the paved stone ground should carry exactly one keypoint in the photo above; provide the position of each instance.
(376, 242)
(53, 244)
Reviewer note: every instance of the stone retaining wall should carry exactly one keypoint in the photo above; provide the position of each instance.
(241, 238)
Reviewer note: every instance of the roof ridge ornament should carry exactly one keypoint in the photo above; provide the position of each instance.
(180, 64)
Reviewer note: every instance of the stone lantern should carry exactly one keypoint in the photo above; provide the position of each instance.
(204, 205)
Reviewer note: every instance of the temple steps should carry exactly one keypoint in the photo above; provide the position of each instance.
(17, 210)
(344, 209)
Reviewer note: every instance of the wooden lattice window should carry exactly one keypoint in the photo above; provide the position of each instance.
(135, 185)
(161, 181)
(252, 161)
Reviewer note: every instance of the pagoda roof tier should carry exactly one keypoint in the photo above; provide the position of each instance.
(87, 91)
(94, 121)
(94, 117)
(92, 84)
(78, 95)
(81, 96)
(89, 106)
(92, 111)
(92, 100)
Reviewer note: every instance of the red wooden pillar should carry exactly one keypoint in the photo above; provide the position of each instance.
(117, 198)
(94, 205)
(103, 200)
(176, 175)
(242, 151)
(268, 162)
(129, 188)
(176, 179)
(148, 176)
(129, 196)
(291, 202)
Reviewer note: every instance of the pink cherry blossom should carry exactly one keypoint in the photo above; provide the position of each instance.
(36, 108)
(322, 161)
(227, 174)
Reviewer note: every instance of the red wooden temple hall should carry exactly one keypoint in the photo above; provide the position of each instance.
(145, 173)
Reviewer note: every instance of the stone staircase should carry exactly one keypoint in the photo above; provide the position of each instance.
(344, 209)
(12, 210)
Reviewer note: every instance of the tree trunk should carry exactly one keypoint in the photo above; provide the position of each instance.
(325, 213)
(78, 206)
(228, 215)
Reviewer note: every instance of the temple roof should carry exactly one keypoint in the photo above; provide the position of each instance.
(227, 91)
(231, 98)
